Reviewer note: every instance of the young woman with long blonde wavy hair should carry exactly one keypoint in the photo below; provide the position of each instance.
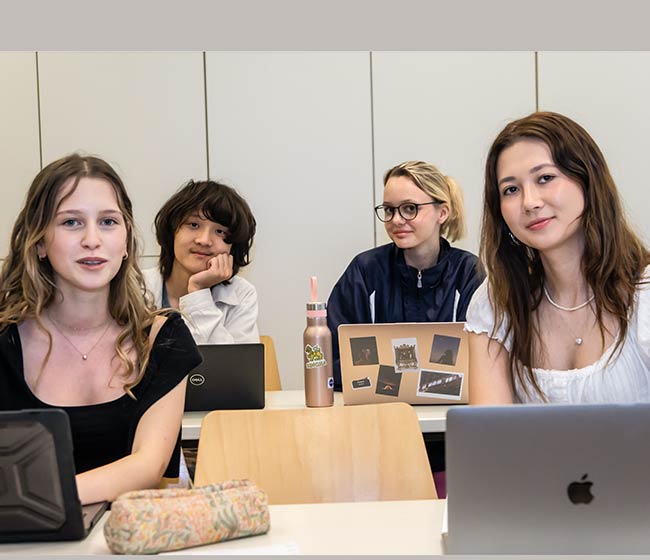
(77, 333)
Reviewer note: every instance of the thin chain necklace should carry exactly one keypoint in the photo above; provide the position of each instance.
(84, 355)
(548, 297)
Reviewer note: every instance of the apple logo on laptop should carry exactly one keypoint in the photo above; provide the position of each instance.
(580, 492)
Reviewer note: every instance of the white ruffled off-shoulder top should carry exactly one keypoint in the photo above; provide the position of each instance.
(625, 379)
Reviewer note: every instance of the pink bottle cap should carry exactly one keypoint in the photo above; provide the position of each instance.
(315, 308)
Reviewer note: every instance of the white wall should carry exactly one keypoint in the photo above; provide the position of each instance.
(292, 131)
(302, 135)
(19, 150)
(142, 112)
(608, 94)
(446, 108)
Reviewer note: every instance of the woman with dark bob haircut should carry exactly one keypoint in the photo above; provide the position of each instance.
(564, 316)
(205, 232)
(77, 333)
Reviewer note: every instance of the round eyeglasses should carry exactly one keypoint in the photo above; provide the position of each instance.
(408, 210)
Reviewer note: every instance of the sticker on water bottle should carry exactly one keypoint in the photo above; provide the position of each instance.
(330, 383)
(315, 357)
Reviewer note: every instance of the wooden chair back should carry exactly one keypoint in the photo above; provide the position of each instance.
(271, 372)
(337, 454)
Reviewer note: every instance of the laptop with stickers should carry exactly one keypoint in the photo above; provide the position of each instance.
(38, 490)
(230, 377)
(548, 479)
(417, 363)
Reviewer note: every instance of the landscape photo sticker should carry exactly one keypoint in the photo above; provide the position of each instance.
(364, 351)
(444, 350)
(440, 384)
(388, 381)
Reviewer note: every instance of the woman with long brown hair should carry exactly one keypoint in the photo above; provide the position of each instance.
(77, 333)
(564, 315)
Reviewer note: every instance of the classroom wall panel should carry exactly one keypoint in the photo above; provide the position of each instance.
(446, 108)
(292, 132)
(142, 112)
(608, 93)
(19, 151)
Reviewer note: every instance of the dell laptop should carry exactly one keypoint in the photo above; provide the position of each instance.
(548, 479)
(231, 376)
(38, 491)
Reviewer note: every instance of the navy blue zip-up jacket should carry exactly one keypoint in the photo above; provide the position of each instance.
(382, 275)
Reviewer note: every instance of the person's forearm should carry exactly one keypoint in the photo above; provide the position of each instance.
(134, 472)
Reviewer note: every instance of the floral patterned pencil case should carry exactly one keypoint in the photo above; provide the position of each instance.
(151, 521)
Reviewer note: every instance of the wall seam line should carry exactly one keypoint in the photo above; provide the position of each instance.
(205, 107)
(536, 81)
(372, 149)
(38, 113)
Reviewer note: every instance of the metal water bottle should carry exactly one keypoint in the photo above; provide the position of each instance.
(317, 345)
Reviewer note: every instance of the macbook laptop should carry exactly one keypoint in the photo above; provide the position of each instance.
(231, 376)
(417, 363)
(548, 479)
(38, 491)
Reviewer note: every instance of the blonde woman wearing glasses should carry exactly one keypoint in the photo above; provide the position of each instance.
(418, 277)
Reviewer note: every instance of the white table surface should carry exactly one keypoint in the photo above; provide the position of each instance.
(432, 418)
(372, 528)
(398, 527)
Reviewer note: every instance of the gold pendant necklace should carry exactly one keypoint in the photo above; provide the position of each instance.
(84, 355)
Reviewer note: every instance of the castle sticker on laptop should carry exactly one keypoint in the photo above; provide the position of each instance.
(418, 363)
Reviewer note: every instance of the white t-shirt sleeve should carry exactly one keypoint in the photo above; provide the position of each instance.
(480, 317)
